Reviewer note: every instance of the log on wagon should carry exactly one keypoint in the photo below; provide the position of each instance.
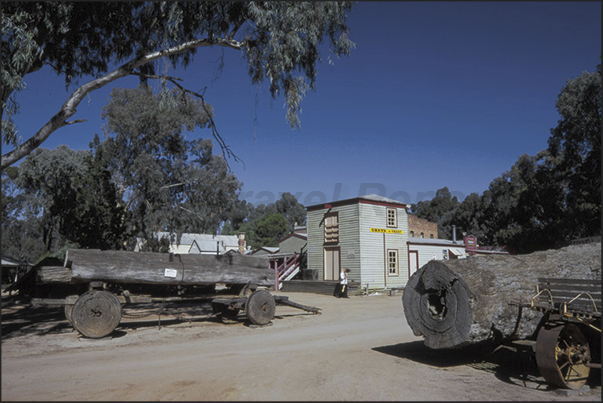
(455, 303)
(93, 285)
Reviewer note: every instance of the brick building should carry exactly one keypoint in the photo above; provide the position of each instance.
(421, 228)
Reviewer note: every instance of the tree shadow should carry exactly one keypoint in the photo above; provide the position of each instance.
(512, 367)
(21, 320)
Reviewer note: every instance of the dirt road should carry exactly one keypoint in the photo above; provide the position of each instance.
(358, 349)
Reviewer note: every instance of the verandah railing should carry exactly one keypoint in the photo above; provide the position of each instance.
(288, 268)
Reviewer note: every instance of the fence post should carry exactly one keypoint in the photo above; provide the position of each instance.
(275, 275)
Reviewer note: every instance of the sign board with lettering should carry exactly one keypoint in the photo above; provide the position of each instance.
(387, 231)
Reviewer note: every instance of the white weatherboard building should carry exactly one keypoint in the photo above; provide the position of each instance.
(206, 244)
(422, 250)
(367, 234)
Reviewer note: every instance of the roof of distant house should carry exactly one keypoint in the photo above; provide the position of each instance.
(429, 241)
(370, 198)
(204, 241)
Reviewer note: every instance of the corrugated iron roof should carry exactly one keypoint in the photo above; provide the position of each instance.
(370, 198)
(205, 242)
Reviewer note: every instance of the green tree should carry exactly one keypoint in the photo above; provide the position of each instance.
(279, 40)
(575, 152)
(269, 230)
(440, 210)
(166, 183)
(48, 181)
(20, 236)
(469, 217)
(99, 220)
(294, 212)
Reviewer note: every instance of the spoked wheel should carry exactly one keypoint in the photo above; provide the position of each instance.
(96, 314)
(563, 355)
(260, 307)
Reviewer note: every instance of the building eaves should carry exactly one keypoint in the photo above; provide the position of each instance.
(372, 198)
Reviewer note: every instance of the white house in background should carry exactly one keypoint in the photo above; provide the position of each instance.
(367, 234)
(422, 250)
(206, 244)
(265, 250)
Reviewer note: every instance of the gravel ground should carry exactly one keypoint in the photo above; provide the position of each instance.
(359, 348)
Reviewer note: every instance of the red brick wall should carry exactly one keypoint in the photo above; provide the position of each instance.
(418, 225)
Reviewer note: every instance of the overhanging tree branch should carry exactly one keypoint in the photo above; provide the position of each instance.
(69, 107)
(226, 151)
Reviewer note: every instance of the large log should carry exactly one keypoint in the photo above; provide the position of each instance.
(163, 268)
(454, 303)
(53, 274)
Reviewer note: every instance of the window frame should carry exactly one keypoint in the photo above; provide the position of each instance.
(395, 217)
(331, 231)
(396, 263)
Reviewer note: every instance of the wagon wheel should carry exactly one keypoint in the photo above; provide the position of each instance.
(563, 355)
(260, 307)
(96, 313)
(68, 311)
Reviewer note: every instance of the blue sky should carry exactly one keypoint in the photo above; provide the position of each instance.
(435, 94)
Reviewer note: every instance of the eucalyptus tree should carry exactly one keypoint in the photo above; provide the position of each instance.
(294, 212)
(469, 217)
(165, 182)
(48, 182)
(440, 210)
(270, 229)
(575, 152)
(79, 40)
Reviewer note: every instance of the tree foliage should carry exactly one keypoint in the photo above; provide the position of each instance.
(270, 229)
(439, 210)
(575, 152)
(546, 200)
(145, 177)
(265, 225)
(279, 40)
(166, 182)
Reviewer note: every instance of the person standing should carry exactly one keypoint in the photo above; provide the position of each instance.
(343, 283)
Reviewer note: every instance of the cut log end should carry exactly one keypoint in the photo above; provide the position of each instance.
(437, 306)
(453, 303)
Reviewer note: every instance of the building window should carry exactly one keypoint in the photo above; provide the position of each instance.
(422, 235)
(412, 234)
(392, 217)
(332, 228)
(431, 236)
(392, 262)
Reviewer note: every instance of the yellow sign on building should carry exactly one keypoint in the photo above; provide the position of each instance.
(387, 231)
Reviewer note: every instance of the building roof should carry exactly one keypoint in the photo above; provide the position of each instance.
(10, 261)
(205, 242)
(303, 236)
(371, 198)
(436, 242)
(269, 249)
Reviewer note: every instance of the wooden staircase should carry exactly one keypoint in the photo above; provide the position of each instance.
(287, 270)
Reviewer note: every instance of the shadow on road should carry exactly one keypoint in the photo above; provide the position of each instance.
(513, 367)
(20, 320)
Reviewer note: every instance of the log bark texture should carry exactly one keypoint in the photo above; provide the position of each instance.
(53, 274)
(454, 303)
(163, 268)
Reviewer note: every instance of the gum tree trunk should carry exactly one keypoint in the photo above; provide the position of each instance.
(453, 303)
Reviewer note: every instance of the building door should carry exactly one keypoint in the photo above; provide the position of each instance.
(331, 263)
(413, 262)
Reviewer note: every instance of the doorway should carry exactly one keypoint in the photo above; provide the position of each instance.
(331, 264)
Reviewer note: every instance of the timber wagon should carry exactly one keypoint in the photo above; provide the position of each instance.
(94, 286)
(547, 303)
(568, 341)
